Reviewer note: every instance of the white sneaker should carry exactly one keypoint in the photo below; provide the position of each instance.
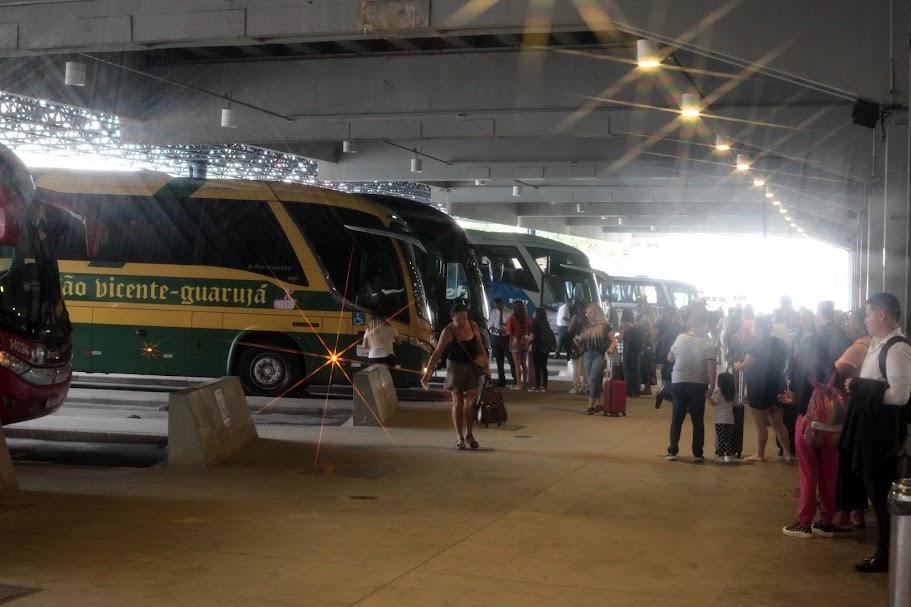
(573, 391)
(728, 459)
(670, 457)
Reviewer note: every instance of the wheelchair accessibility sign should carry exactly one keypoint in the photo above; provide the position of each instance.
(357, 318)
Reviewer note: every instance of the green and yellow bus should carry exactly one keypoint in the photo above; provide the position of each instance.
(272, 282)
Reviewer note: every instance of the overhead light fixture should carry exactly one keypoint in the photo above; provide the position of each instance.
(758, 182)
(516, 191)
(74, 74)
(769, 194)
(721, 143)
(691, 107)
(647, 55)
(348, 147)
(416, 165)
(782, 211)
(743, 163)
(228, 118)
(776, 203)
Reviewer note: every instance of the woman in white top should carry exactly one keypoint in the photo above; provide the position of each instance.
(379, 340)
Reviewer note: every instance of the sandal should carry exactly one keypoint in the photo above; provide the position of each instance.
(461, 444)
(471, 441)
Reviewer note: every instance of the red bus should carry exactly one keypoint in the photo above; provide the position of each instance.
(35, 344)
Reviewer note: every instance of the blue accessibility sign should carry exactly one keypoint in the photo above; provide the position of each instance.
(357, 318)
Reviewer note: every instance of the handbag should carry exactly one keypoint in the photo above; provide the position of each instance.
(481, 361)
(489, 407)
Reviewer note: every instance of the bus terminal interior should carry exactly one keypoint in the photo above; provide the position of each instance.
(455, 302)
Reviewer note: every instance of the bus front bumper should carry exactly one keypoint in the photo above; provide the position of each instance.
(21, 400)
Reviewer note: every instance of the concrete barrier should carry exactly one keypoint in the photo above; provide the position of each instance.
(208, 424)
(375, 400)
(8, 482)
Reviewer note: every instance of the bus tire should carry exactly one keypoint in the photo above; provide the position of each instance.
(270, 369)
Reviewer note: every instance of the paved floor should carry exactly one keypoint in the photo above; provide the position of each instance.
(557, 508)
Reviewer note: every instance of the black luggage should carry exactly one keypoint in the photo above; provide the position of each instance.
(489, 406)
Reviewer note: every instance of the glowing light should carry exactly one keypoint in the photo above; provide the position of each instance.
(647, 55)
(743, 163)
(782, 211)
(770, 195)
(691, 108)
(758, 183)
(334, 358)
(721, 144)
(776, 203)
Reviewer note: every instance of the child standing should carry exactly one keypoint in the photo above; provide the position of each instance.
(723, 402)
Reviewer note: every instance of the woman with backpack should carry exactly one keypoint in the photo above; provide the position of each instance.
(466, 361)
(543, 341)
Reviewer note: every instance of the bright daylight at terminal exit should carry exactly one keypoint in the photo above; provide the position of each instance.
(455, 302)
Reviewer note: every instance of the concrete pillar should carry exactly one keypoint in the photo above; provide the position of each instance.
(209, 424)
(875, 243)
(8, 482)
(895, 209)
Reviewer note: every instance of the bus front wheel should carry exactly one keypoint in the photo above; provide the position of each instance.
(269, 370)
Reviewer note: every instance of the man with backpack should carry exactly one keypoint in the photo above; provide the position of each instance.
(876, 427)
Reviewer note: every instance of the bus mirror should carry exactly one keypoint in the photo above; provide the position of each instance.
(9, 223)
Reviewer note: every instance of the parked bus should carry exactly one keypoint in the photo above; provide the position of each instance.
(35, 347)
(627, 291)
(446, 261)
(271, 282)
(538, 271)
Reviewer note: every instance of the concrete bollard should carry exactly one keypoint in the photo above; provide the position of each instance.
(8, 482)
(900, 544)
(208, 424)
(375, 399)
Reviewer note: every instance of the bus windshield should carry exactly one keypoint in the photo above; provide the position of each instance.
(31, 303)
(362, 268)
(566, 284)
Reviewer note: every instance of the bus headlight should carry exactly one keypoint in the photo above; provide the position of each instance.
(13, 363)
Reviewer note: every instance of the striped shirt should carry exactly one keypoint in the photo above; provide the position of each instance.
(596, 337)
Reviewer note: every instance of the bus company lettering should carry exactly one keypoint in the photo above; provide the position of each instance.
(144, 291)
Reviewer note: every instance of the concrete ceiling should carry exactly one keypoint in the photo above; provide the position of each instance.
(595, 146)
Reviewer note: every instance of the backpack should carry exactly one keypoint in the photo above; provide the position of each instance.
(490, 407)
(825, 415)
(906, 409)
(548, 340)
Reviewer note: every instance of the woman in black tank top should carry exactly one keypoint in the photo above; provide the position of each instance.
(460, 342)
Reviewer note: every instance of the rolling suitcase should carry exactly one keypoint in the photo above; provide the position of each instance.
(614, 397)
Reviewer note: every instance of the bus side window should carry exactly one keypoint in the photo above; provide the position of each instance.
(134, 229)
(245, 235)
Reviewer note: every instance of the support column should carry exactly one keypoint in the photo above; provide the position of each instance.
(875, 240)
(895, 210)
